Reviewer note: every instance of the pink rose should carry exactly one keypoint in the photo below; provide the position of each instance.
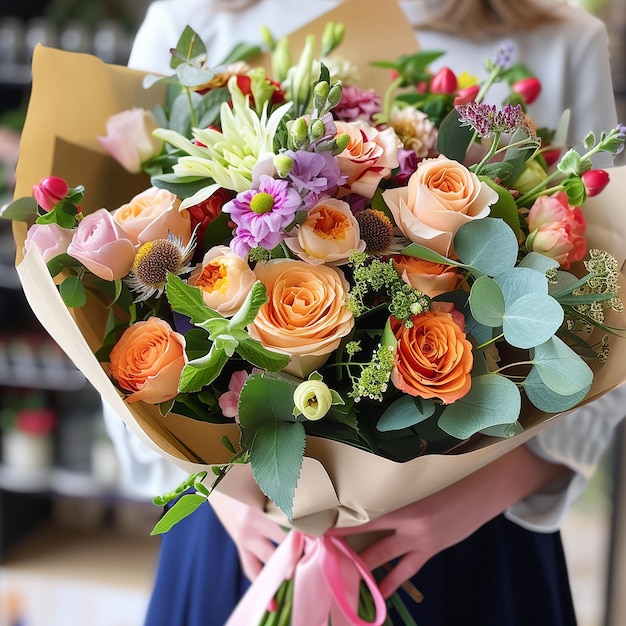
(439, 198)
(329, 234)
(224, 278)
(151, 215)
(129, 138)
(50, 191)
(557, 229)
(369, 157)
(101, 247)
(50, 239)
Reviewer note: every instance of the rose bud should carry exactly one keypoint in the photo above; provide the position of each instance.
(50, 191)
(552, 156)
(444, 81)
(528, 88)
(466, 95)
(595, 181)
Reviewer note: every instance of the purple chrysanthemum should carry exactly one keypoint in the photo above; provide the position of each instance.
(313, 173)
(262, 214)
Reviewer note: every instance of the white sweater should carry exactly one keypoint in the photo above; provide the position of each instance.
(575, 73)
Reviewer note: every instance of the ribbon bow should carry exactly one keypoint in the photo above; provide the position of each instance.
(327, 574)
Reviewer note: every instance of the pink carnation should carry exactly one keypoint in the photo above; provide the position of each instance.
(357, 104)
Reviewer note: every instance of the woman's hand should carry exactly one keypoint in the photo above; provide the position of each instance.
(428, 526)
(254, 534)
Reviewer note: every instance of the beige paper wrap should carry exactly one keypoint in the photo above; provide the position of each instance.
(72, 97)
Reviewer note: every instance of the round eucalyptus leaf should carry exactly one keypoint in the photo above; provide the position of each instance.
(491, 401)
(404, 413)
(538, 262)
(547, 400)
(531, 320)
(488, 245)
(560, 368)
(487, 302)
(520, 281)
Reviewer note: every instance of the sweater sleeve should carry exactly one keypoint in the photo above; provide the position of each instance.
(577, 440)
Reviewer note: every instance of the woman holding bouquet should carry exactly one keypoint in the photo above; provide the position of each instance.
(486, 550)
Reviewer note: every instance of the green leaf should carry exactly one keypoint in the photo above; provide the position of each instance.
(73, 292)
(545, 399)
(255, 299)
(188, 300)
(404, 413)
(487, 302)
(488, 244)
(492, 400)
(560, 368)
(454, 139)
(202, 372)
(58, 263)
(521, 281)
(570, 163)
(189, 47)
(538, 262)
(505, 208)
(276, 459)
(192, 76)
(241, 52)
(575, 190)
(422, 252)
(21, 210)
(531, 320)
(181, 186)
(503, 431)
(258, 355)
(183, 507)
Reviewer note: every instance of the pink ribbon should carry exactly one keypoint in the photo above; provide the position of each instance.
(327, 577)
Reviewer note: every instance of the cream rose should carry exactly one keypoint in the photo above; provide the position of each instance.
(329, 234)
(306, 314)
(224, 278)
(369, 157)
(440, 197)
(151, 215)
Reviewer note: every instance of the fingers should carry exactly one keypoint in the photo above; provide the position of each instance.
(385, 550)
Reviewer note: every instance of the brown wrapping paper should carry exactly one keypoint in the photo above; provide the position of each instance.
(72, 97)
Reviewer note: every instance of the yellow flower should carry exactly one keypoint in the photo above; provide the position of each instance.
(313, 399)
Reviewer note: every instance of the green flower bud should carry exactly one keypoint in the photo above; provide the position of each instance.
(281, 59)
(334, 95)
(301, 87)
(299, 131)
(313, 399)
(283, 165)
(341, 143)
(316, 130)
(532, 175)
(320, 94)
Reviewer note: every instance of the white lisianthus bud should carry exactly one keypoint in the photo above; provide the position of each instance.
(313, 399)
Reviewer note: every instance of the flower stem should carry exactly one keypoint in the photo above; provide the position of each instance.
(399, 606)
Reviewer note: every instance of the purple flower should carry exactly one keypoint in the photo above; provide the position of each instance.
(314, 173)
(408, 161)
(262, 214)
(504, 54)
(356, 104)
(487, 119)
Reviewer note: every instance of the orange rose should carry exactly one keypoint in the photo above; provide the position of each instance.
(147, 361)
(433, 357)
(306, 314)
(440, 197)
(430, 278)
(151, 215)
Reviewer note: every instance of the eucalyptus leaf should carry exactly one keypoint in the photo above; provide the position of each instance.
(454, 139)
(560, 368)
(189, 47)
(73, 292)
(193, 77)
(491, 401)
(521, 281)
(538, 262)
(531, 320)
(487, 302)
(488, 244)
(183, 507)
(503, 431)
(404, 413)
(545, 399)
(276, 459)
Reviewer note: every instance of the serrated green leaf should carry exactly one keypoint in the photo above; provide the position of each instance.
(183, 507)
(560, 368)
(545, 399)
(487, 302)
(21, 210)
(203, 371)
(404, 413)
(256, 298)
(488, 244)
(73, 292)
(188, 300)
(276, 459)
(258, 355)
(492, 400)
(531, 320)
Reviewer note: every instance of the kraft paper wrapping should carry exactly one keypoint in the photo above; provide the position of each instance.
(72, 97)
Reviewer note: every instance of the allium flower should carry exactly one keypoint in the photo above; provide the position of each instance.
(153, 261)
(313, 173)
(262, 214)
(357, 104)
(487, 119)
(414, 129)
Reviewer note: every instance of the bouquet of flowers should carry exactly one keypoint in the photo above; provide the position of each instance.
(319, 282)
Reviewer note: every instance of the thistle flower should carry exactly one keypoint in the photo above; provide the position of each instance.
(154, 260)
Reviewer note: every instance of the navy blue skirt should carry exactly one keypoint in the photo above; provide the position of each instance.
(502, 575)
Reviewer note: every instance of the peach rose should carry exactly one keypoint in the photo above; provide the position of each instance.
(306, 314)
(439, 198)
(433, 357)
(147, 361)
(430, 278)
(370, 156)
(224, 278)
(329, 234)
(151, 215)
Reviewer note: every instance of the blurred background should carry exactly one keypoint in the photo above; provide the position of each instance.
(74, 549)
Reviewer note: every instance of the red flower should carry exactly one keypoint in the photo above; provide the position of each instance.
(50, 191)
(595, 181)
(466, 95)
(205, 212)
(528, 88)
(244, 83)
(444, 81)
